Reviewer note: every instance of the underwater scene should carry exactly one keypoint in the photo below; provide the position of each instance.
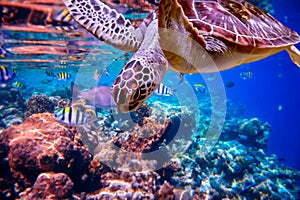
(100, 100)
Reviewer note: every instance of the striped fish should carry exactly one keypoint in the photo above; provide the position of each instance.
(70, 116)
(63, 16)
(5, 74)
(64, 28)
(63, 21)
(164, 90)
(63, 75)
(19, 85)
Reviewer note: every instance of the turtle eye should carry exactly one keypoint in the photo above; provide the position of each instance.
(136, 95)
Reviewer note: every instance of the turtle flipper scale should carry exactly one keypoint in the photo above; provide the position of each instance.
(139, 79)
(105, 23)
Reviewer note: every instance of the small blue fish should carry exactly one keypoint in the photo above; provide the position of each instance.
(45, 81)
(229, 84)
(243, 137)
(106, 72)
(49, 72)
(19, 85)
(70, 116)
(246, 75)
(199, 87)
(63, 76)
(164, 90)
(279, 107)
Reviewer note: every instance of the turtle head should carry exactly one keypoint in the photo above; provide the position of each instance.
(139, 78)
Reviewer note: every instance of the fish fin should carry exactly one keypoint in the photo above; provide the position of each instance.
(173, 92)
(294, 54)
(180, 78)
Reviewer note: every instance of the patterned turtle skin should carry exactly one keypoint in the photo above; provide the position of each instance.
(230, 32)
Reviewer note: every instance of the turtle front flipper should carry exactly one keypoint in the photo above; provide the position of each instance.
(294, 53)
(105, 23)
(139, 79)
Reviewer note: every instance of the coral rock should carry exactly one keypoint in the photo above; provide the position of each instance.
(139, 114)
(39, 104)
(41, 144)
(127, 185)
(150, 136)
(50, 186)
(12, 107)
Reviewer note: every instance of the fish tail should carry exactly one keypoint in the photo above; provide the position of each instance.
(294, 54)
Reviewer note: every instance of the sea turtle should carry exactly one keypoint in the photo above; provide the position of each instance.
(232, 32)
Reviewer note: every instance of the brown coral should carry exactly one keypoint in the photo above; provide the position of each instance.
(39, 104)
(41, 144)
(50, 186)
(150, 136)
(127, 185)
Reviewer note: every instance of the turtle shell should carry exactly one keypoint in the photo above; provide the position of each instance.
(236, 22)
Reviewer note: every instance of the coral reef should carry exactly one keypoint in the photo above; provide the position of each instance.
(136, 141)
(127, 185)
(232, 171)
(12, 107)
(42, 159)
(50, 185)
(249, 132)
(41, 144)
(140, 113)
(39, 104)
(42, 153)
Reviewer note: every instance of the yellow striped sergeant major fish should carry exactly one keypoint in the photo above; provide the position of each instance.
(19, 85)
(71, 116)
(164, 90)
(63, 75)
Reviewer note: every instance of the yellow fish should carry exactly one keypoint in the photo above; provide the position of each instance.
(199, 87)
(96, 75)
